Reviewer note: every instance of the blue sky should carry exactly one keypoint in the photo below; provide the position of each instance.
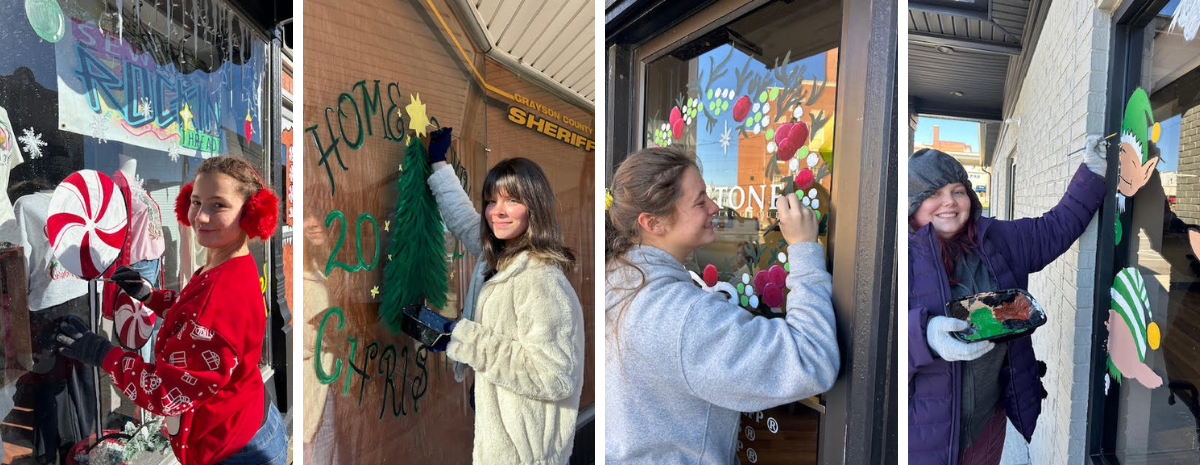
(948, 129)
(1168, 144)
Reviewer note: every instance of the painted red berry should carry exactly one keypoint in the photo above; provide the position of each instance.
(781, 134)
(710, 275)
(675, 115)
(773, 295)
(677, 129)
(760, 279)
(777, 275)
(804, 179)
(799, 133)
(741, 108)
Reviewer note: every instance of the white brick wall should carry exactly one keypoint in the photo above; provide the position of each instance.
(1061, 102)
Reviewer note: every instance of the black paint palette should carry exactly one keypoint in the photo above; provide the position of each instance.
(996, 316)
(423, 324)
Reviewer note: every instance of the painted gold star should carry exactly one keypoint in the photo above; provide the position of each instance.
(389, 257)
(387, 224)
(374, 291)
(417, 120)
(186, 114)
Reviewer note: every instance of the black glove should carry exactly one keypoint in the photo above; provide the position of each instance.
(439, 144)
(80, 343)
(132, 283)
(427, 326)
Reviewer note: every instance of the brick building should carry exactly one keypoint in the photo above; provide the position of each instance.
(1049, 75)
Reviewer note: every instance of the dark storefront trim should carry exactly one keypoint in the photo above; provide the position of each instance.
(1125, 72)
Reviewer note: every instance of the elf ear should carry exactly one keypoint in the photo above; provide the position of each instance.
(259, 214)
(183, 201)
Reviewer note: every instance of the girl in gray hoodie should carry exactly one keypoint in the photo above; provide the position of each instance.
(680, 362)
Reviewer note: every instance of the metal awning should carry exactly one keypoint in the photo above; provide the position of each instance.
(554, 42)
(961, 54)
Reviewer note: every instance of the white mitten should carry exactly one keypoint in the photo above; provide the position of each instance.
(1096, 155)
(937, 335)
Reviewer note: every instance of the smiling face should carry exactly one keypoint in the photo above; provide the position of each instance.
(948, 209)
(215, 211)
(692, 224)
(507, 216)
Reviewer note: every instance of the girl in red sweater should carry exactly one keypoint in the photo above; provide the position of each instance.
(205, 376)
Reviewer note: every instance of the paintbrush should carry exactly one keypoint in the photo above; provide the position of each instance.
(1110, 136)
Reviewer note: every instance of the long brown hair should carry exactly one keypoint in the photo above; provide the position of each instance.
(648, 181)
(524, 181)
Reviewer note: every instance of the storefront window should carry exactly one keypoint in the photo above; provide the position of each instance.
(141, 92)
(754, 99)
(1152, 394)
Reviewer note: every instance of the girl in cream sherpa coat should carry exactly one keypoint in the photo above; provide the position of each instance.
(522, 327)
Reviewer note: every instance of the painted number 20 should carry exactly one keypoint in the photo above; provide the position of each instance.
(337, 246)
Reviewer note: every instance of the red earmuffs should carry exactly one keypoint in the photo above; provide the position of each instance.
(259, 214)
(182, 202)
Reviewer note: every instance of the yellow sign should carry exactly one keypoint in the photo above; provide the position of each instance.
(548, 128)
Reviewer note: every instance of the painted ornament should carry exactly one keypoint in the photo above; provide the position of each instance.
(133, 322)
(46, 18)
(248, 126)
(87, 223)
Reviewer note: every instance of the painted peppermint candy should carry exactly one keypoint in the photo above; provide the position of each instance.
(133, 322)
(87, 223)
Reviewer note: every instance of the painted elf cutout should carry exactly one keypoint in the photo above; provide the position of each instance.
(1138, 134)
(1131, 332)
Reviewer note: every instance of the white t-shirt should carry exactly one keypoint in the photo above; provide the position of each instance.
(49, 283)
(10, 157)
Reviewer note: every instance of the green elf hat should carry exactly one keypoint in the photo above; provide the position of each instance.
(1138, 121)
(1131, 301)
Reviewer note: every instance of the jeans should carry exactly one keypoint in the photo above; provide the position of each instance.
(269, 446)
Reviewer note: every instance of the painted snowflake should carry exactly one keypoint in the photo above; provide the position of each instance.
(99, 128)
(32, 143)
(726, 139)
(144, 107)
(173, 151)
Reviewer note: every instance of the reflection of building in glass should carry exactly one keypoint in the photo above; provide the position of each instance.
(970, 157)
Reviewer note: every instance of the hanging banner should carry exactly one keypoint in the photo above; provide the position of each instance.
(111, 91)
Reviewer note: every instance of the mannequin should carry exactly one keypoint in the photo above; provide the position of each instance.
(10, 157)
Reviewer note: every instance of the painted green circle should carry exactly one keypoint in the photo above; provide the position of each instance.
(757, 117)
(763, 96)
(708, 94)
(741, 288)
(46, 19)
(774, 93)
(725, 105)
(770, 134)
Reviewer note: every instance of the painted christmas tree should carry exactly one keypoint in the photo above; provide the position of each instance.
(416, 274)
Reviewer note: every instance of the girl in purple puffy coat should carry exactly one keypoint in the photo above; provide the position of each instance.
(960, 393)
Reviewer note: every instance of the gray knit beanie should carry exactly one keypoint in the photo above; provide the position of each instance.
(930, 170)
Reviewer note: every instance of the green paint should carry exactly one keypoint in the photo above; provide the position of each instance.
(46, 19)
(985, 324)
(774, 93)
(323, 377)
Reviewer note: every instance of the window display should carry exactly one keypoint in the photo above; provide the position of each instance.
(139, 93)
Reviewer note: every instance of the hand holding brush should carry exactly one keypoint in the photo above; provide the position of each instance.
(131, 282)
